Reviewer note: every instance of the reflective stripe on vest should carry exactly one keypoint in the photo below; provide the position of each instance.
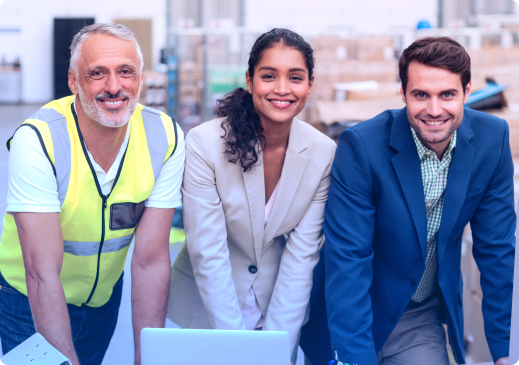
(61, 142)
(91, 248)
(160, 141)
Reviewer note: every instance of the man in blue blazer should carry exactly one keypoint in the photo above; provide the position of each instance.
(404, 186)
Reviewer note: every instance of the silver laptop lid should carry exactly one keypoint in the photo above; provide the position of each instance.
(161, 346)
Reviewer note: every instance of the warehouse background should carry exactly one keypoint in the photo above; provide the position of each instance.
(26, 26)
(195, 51)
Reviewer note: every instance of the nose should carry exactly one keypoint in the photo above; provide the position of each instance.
(282, 86)
(113, 86)
(434, 107)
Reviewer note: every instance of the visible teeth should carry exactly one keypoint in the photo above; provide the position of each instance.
(112, 102)
(281, 102)
(434, 122)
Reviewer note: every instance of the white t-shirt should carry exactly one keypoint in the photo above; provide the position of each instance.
(32, 186)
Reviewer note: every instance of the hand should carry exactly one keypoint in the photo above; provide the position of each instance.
(502, 361)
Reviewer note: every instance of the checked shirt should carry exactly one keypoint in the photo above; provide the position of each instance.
(434, 177)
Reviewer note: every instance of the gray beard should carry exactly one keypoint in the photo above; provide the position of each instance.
(99, 116)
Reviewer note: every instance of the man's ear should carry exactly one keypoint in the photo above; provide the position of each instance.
(402, 94)
(248, 81)
(468, 90)
(72, 82)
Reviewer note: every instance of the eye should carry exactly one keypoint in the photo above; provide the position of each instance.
(267, 77)
(420, 95)
(296, 78)
(447, 95)
(97, 74)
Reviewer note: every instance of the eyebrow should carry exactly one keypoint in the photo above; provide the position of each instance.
(101, 67)
(128, 65)
(418, 91)
(269, 68)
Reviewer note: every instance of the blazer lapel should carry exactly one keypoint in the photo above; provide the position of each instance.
(255, 186)
(291, 176)
(407, 167)
(457, 184)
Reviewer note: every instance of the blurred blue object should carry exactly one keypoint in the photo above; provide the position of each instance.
(172, 66)
(178, 219)
(423, 24)
(487, 98)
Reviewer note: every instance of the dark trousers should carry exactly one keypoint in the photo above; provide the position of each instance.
(92, 328)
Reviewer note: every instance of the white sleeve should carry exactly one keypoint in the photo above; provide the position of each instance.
(166, 192)
(31, 185)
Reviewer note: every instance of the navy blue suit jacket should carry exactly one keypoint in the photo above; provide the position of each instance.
(376, 234)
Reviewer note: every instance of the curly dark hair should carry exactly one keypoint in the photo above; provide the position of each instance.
(242, 124)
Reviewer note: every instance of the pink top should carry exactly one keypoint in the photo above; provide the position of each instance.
(250, 309)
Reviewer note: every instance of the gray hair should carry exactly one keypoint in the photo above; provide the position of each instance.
(109, 29)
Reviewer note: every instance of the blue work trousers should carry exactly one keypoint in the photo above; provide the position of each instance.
(92, 328)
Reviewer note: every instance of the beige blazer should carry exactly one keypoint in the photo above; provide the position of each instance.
(228, 248)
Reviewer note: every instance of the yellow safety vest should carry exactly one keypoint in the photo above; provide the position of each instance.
(97, 229)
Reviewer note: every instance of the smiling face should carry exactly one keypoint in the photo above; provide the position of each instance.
(434, 99)
(108, 80)
(280, 85)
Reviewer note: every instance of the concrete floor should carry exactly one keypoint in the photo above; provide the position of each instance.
(120, 350)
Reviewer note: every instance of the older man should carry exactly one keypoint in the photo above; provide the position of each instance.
(83, 172)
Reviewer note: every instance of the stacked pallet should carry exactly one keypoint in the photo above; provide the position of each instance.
(190, 93)
(154, 90)
(349, 59)
(501, 65)
(340, 60)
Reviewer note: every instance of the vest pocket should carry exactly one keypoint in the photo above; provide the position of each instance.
(125, 215)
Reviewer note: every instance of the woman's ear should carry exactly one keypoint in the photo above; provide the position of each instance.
(248, 81)
(310, 86)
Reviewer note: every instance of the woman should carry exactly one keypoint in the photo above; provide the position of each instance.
(255, 186)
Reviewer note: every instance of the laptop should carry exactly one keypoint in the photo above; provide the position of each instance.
(165, 346)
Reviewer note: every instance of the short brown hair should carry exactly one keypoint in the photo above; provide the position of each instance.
(442, 52)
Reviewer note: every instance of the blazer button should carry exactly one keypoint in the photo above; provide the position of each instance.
(392, 320)
(412, 282)
(253, 269)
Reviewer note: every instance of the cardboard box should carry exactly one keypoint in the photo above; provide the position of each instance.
(493, 57)
(353, 48)
(512, 117)
(330, 112)
(350, 59)
(143, 29)
(386, 90)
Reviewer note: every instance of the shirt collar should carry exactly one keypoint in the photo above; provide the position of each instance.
(422, 150)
